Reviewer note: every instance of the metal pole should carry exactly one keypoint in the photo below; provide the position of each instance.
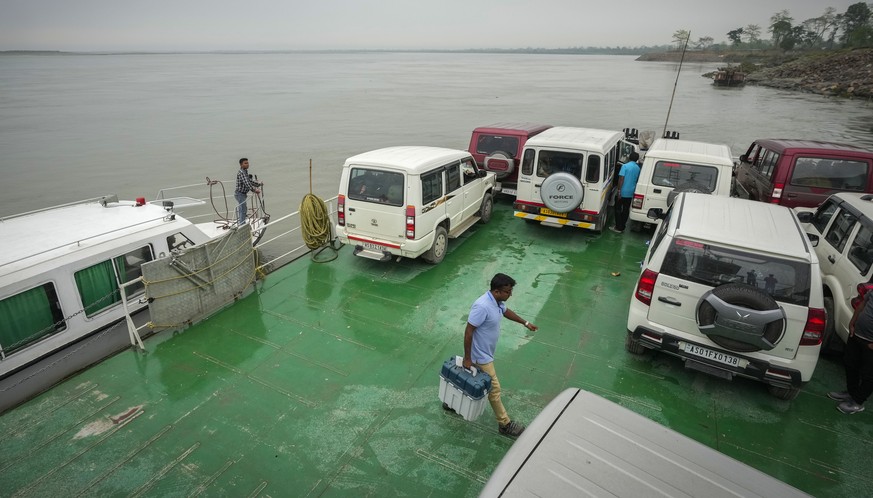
(676, 83)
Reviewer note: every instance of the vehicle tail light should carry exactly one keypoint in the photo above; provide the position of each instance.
(776, 196)
(341, 210)
(814, 328)
(646, 287)
(410, 222)
(638, 201)
(863, 288)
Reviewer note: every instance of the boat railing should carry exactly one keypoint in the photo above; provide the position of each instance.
(103, 199)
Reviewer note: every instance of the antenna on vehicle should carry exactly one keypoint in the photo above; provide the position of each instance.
(676, 84)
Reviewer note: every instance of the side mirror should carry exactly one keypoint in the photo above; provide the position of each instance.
(805, 216)
(744, 159)
(813, 239)
(482, 173)
(655, 214)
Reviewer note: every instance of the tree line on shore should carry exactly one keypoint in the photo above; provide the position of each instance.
(831, 30)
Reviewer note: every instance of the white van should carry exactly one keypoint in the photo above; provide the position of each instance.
(680, 166)
(567, 176)
(408, 201)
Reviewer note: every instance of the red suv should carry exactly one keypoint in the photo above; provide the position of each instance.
(497, 148)
(802, 172)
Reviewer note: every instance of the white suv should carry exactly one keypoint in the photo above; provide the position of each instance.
(733, 288)
(844, 224)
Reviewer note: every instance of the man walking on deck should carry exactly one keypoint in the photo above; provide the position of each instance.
(627, 183)
(480, 341)
(858, 360)
(244, 184)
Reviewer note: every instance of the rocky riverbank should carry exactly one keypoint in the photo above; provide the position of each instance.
(844, 73)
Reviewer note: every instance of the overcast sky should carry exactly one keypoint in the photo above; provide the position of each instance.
(195, 25)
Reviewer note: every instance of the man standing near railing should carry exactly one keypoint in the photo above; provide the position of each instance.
(244, 184)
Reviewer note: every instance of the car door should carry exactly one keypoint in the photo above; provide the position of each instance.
(473, 187)
(455, 201)
(855, 269)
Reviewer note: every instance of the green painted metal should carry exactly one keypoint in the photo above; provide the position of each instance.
(324, 382)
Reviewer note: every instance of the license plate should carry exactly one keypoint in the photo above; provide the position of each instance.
(712, 355)
(549, 212)
(372, 246)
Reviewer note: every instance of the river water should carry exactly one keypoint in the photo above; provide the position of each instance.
(80, 126)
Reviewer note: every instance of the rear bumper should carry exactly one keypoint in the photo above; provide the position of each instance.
(755, 368)
(367, 245)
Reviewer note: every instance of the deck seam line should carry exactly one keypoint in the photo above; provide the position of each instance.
(126, 459)
(208, 482)
(339, 337)
(247, 375)
(161, 473)
(285, 350)
(70, 460)
(61, 433)
(77, 393)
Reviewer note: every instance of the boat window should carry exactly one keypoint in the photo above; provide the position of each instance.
(453, 177)
(98, 284)
(708, 264)
(592, 174)
(179, 241)
(675, 174)
(823, 215)
(527, 162)
(29, 316)
(553, 161)
(379, 186)
(431, 186)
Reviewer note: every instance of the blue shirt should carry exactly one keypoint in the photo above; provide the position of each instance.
(485, 315)
(631, 173)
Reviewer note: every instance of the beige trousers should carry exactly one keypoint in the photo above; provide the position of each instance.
(494, 394)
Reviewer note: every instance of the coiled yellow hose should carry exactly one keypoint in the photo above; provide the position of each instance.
(314, 222)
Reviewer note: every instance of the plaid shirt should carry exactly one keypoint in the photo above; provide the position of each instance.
(243, 183)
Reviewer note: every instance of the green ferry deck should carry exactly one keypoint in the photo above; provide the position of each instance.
(324, 382)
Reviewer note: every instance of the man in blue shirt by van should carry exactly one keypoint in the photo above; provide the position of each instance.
(627, 183)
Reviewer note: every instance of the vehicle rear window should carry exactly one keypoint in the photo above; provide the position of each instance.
(553, 161)
(787, 281)
(861, 252)
(675, 174)
(371, 185)
(488, 144)
(836, 174)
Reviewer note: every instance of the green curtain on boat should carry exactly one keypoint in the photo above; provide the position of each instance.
(95, 283)
(25, 317)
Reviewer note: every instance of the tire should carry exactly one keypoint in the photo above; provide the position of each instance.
(437, 251)
(486, 208)
(500, 155)
(747, 298)
(786, 393)
(691, 187)
(830, 327)
(562, 192)
(632, 345)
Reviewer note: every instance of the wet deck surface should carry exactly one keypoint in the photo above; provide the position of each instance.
(324, 382)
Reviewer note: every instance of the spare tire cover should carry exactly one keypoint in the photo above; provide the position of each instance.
(741, 318)
(501, 163)
(562, 192)
(690, 187)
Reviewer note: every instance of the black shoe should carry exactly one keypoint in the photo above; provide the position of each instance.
(512, 429)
